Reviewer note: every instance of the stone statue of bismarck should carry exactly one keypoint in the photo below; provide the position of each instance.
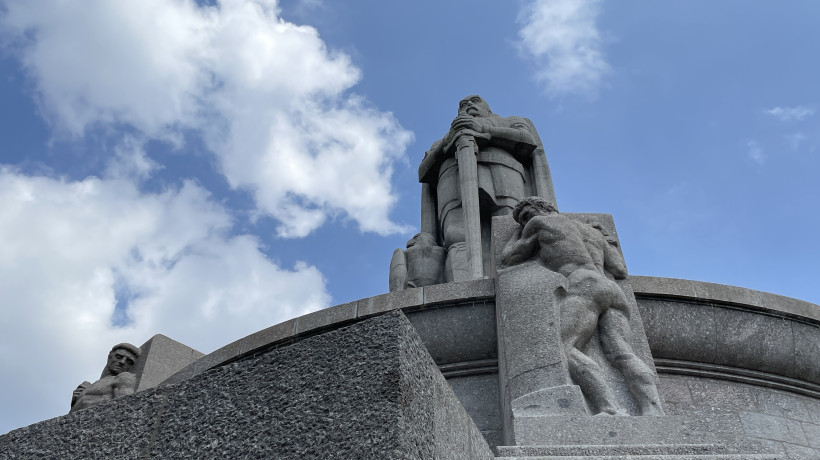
(481, 168)
(116, 379)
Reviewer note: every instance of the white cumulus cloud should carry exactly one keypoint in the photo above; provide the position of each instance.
(561, 37)
(271, 100)
(74, 253)
(788, 114)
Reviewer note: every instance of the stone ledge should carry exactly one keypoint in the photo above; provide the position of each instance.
(712, 435)
(410, 299)
(587, 451)
(654, 457)
(736, 374)
(699, 290)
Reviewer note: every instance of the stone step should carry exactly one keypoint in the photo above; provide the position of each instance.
(651, 457)
(613, 449)
(666, 430)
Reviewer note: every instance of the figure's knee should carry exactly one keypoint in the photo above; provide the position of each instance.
(453, 234)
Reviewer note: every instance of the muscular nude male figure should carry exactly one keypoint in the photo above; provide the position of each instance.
(593, 303)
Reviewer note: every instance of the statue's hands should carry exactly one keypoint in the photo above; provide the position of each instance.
(467, 122)
(78, 393)
(452, 139)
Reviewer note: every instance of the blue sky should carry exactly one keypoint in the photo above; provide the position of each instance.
(205, 170)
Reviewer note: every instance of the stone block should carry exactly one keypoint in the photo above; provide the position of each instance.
(267, 336)
(675, 390)
(478, 446)
(161, 358)
(725, 293)
(753, 341)
(528, 321)
(680, 330)
(789, 305)
(813, 405)
(459, 292)
(586, 430)
(447, 424)
(456, 334)
(326, 317)
(386, 302)
(782, 404)
(806, 352)
(361, 391)
(794, 452)
(812, 433)
(662, 286)
(183, 374)
(620, 452)
(547, 402)
(722, 394)
(479, 396)
(774, 428)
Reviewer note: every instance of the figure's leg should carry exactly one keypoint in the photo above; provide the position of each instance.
(457, 262)
(616, 338)
(578, 324)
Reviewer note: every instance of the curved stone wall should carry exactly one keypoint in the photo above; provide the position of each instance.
(723, 332)
(746, 354)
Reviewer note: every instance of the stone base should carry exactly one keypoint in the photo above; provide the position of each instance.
(368, 390)
(560, 400)
(584, 455)
(607, 437)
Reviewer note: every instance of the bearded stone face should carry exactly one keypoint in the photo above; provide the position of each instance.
(474, 106)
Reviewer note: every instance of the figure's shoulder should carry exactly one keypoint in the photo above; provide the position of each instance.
(547, 220)
(125, 377)
(516, 121)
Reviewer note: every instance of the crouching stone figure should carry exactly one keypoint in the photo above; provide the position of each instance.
(116, 379)
(593, 306)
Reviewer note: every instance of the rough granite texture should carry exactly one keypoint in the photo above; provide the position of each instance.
(368, 390)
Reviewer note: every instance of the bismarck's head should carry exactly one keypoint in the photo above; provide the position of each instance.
(530, 207)
(474, 106)
(121, 359)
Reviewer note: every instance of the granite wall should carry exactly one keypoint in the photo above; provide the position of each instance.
(368, 390)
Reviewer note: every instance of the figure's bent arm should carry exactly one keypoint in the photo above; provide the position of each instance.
(519, 249)
(78, 393)
(614, 263)
(517, 132)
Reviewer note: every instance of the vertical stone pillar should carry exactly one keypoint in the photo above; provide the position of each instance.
(533, 376)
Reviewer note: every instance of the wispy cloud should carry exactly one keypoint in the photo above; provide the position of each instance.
(795, 140)
(788, 114)
(561, 37)
(755, 151)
